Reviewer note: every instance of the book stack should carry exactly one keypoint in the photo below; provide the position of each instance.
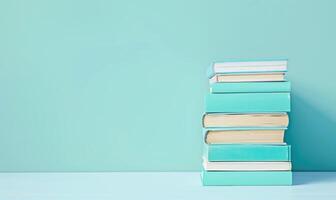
(244, 124)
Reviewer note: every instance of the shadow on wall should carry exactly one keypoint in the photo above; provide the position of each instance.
(312, 136)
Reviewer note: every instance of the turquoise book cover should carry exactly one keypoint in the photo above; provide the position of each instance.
(248, 178)
(247, 102)
(246, 87)
(247, 152)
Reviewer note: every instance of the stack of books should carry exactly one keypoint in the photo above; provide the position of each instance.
(244, 124)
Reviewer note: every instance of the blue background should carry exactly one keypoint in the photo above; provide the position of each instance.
(119, 85)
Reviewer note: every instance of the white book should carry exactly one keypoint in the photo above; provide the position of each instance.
(252, 63)
(246, 166)
(246, 67)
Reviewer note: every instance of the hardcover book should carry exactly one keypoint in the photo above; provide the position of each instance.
(247, 103)
(213, 178)
(247, 67)
(247, 136)
(247, 152)
(246, 166)
(251, 77)
(245, 120)
(250, 87)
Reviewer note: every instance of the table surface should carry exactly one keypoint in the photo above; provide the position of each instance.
(155, 185)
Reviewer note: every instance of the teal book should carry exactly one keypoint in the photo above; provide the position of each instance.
(251, 87)
(248, 178)
(247, 152)
(247, 103)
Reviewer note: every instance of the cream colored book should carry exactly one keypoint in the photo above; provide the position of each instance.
(264, 77)
(246, 166)
(248, 136)
(245, 120)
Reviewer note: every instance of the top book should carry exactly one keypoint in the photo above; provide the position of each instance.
(253, 66)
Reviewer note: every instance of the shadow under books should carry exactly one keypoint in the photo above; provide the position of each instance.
(303, 178)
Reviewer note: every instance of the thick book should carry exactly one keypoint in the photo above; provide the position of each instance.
(248, 178)
(246, 166)
(247, 67)
(247, 103)
(247, 152)
(250, 87)
(244, 136)
(245, 120)
(251, 77)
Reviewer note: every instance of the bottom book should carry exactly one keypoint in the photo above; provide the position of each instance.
(217, 178)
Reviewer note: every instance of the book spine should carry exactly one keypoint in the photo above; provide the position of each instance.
(213, 178)
(247, 103)
(252, 87)
(237, 152)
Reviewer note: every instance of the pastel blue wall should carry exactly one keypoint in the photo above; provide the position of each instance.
(118, 85)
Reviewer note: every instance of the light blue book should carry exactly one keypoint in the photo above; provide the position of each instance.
(247, 66)
(248, 178)
(247, 152)
(245, 87)
(247, 103)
